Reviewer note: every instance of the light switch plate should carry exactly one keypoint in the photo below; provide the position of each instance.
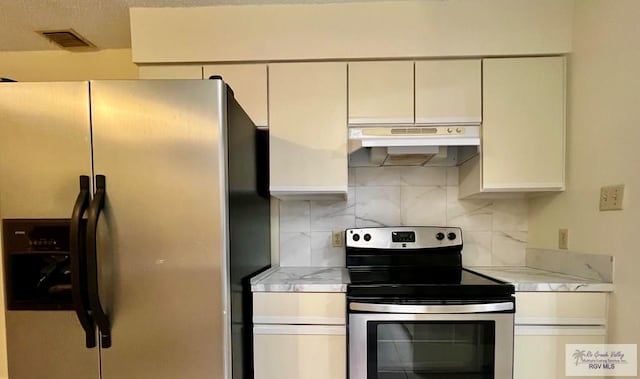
(611, 197)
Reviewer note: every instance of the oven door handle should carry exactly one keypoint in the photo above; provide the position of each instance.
(432, 309)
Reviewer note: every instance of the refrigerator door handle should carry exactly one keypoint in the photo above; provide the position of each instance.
(78, 257)
(101, 318)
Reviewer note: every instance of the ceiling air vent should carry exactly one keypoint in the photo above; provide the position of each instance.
(67, 39)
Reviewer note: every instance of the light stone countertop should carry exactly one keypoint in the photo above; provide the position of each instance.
(527, 279)
(301, 279)
(336, 279)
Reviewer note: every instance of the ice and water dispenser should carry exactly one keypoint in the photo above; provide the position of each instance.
(37, 264)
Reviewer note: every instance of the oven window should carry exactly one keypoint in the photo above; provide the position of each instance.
(431, 350)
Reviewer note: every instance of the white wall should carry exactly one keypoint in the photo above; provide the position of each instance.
(602, 149)
(40, 66)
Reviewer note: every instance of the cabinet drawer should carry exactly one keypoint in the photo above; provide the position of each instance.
(561, 308)
(299, 308)
(295, 356)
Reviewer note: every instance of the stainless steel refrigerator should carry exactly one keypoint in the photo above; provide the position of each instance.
(133, 213)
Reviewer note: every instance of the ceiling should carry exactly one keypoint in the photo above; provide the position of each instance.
(103, 22)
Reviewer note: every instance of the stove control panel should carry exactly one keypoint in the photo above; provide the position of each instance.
(420, 237)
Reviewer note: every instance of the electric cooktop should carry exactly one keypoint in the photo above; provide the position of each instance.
(414, 263)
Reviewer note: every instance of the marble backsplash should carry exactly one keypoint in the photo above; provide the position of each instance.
(494, 231)
(590, 266)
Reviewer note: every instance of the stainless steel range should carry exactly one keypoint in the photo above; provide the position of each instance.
(415, 312)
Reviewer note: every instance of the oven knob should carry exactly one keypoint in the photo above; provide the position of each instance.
(451, 236)
(367, 237)
(440, 236)
(356, 237)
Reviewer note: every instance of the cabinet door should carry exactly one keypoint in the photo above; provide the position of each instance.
(300, 352)
(542, 354)
(448, 91)
(523, 126)
(170, 72)
(249, 84)
(308, 130)
(381, 92)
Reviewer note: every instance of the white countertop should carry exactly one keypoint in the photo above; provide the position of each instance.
(527, 279)
(336, 279)
(301, 279)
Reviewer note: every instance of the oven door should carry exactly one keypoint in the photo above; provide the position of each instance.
(430, 345)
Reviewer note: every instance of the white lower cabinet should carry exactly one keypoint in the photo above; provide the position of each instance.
(539, 351)
(548, 321)
(299, 335)
(299, 352)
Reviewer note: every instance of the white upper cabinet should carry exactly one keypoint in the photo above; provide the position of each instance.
(523, 128)
(448, 91)
(173, 71)
(308, 130)
(423, 92)
(249, 84)
(381, 92)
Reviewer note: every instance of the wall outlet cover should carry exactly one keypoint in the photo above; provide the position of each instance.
(337, 238)
(563, 238)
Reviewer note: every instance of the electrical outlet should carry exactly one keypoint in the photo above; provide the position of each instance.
(337, 239)
(611, 197)
(563, 238)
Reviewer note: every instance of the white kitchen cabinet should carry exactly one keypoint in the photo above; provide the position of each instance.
(249, 84)
(299, 352)
(308, 308)
(539, 351)
(425, 92)
(308, 130)
(523, 128)
(561, 308)
(547, 321)
(448, 91)
(381, 92)
(299, 335)
(172, 71)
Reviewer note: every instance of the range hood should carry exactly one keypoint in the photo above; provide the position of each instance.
(412, 145)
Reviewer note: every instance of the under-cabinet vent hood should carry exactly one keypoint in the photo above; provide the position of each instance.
(412, 145)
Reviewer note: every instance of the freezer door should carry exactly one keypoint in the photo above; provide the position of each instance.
(44, 147)
(48, 344)
(161, 238)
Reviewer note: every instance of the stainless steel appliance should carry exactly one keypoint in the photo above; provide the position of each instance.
(415, 312)
(132, 219)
